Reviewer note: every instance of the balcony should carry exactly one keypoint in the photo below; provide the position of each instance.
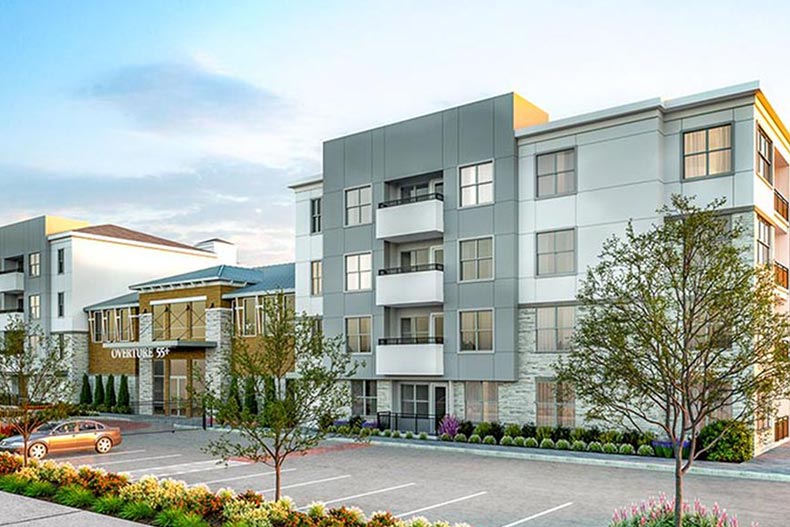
(12, 281)
(781, 205)
(411, 219)
(8, 316)
(780, 275)
(410, 356)
(414, 285)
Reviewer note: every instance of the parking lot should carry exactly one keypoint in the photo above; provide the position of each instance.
(455, 487)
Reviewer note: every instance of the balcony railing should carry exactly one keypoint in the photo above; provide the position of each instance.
(411, 269)
(781, 205)
(780, 275)
(7, 271)
(12, 310)
(398, 341)
(411, 199)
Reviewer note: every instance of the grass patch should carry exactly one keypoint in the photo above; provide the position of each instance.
(136, 511)
(40, 489)
(108, 505)
(75, 496)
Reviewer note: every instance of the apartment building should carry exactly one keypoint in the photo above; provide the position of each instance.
(448, 248)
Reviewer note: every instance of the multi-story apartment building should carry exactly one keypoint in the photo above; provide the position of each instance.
(448, 248)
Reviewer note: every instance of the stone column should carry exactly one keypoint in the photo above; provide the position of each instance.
(384, 396)
(145, 379)
(219, 329)
(76, 350)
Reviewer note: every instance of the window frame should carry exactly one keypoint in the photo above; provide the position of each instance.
(555, 329)
(572, 272)
(316, 218)
(769, 246)
(759, 155)
(556, 405)
(476, 260)
(61, 255)
(359, 335)
(31, 265)
(96, 326)
(575, 190)
(461, 186)
(707, 128)
(360, 206)
(34, 315)
(317, 282)
(345, 272)
(61, 306)
(366, 397)
(485, 410)
(477, 330)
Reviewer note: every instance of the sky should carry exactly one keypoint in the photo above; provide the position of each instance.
(188, 119)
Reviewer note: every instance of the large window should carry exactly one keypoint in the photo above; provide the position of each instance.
(555, 328)
(416, 327)
(556, 174)
(556, 252)
(34, 264)
(415, 399)
(477, 330)
(96, 326)
(35, 306)
(477, 259)
(358, 334)
(61, 304)
(763, 242)
(481, 401)
(316, 280)
(315, 216)
(246, 316)
(364, 396)
(359, 275)
(61, 261)
(180, 321)
(765, 156)
(556, 404)
(477, 184)
(707, 152)
(358, 207)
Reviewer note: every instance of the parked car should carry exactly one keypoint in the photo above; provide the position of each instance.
(66, 436)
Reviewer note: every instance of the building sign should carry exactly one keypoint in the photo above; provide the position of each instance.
(140, 353)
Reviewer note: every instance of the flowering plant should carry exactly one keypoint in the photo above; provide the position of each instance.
(449, 425)
(657, 512)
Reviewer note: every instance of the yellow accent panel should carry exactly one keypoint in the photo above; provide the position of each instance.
(777, 121)
(526, 114)
(213, 294)
(56, 224)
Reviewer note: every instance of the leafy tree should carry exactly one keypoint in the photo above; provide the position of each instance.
(109, 394)
(250, 396)
(230, 410)
(676, 324)
(86, 399)
(299, 372)
(123, 394)
(33, 378)
(98, 392)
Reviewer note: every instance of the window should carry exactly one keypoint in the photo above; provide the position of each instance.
(315, 216)
(763, 242)
(96, 326)
(358, 209)
(61, 304)
(477, 259)
(414, 399)
(411, 260)
(316, 282)
(477, 333)
(247, 316)
(417, 327)
(477, 184)
(35, 307)
(34, 263)
(358, 272)
(364, 398)
(765, 156)
(358, 334)
(555, 328)
(61, 261)
(481, 401)
(556, 174)
(707, 152)
(197, 320)
(161, 322)
(556, 404)
(556, 252)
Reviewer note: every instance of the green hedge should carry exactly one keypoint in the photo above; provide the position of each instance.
(736, 446)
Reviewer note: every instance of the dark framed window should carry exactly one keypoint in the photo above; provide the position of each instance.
(315, 216)
(556, 252)
(358, 206)
(763, 241)
(365, 398)
(477, 259)
(707, 152)
(481, 401)
(61, 261)
(556, 173)
(359, 272)
(316, 278)
(34, 264)
(477, 330)
(556, 404)
(358, 334)
(477, 184)
(765, 156)
(554, 328)
(61, 304)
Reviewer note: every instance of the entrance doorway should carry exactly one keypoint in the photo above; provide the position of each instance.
(177, 385)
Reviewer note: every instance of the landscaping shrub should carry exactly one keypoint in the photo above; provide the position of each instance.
(409, 435)
(344, 430)
(108, 505)
(660, 513)
(506, 441)
(85, 393)
(109, 395)
(626, 449)
(124, 403)
(396, 434)
(490, 429)
(466, 428)
(609, 448)
(449, 425)
(474, 438)
(512, 430)
(387, 433)
(136, 511)
(562, 444)
(637, 438)
(460, 438)
(664, 449)
(168, 517)
(489, 440)
(250, 396)
(528, 430)
(735, 446)
(578, 434)
(365, 432)
(375, 432)
(356, 421)
(423, 436)
(543, 432)
(560, 432)
(611, 436)
(531, 442)
(646, 450)
(75, 496)
(39, 489)
(594, 446)
(579, 446)
(445, 437)
(547, 443)
(13, 484)
(518, 441)
(98, 392)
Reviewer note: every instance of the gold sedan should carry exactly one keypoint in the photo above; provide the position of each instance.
(66, 436)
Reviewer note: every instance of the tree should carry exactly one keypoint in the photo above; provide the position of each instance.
(86, 399)
(98, 392)
(109, 394)
(123, 395)
(250, 396)
(33, 377)
(676, 324)
(299, 371)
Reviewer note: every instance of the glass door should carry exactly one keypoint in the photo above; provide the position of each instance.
(178, 395)
(159, 386)
(439, 401)
(437, 327)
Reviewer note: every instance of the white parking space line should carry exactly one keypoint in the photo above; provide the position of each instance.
(449, 502)
(538, 515)
(88, 456)
(243, 477)
(315, 482)
(137, 460)
(355, 496)
(186, 468)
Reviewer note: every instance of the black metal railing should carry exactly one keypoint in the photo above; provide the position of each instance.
(781, 275)
(395, 341)
(9, 271)
(411, 269)
(411, 199)
(404, 422)
(781, 205)
(12, 310)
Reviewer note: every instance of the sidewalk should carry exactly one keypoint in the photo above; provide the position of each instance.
(19, 510)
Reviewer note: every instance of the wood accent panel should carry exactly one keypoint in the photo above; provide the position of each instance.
(213, 294)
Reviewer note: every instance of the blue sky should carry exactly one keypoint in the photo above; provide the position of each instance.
(188, 119)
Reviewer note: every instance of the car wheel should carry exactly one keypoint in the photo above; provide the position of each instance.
(103, 445)
(37, 450)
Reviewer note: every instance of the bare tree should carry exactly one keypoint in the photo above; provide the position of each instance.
(298, 373)
(32, 378)
(677, 323)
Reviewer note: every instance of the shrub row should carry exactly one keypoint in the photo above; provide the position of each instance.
(103, 398)
(660, 512)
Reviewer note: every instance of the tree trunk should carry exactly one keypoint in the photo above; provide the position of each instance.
(679, 484)
(277, 475)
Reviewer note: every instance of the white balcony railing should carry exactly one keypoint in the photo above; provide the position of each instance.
(410, 356)
(411, 219)
(415, 285)
(12, 281)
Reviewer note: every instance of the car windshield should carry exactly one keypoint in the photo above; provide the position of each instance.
(46, 427)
